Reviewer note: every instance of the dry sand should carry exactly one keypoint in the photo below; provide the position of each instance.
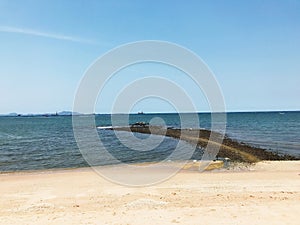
(267, 193)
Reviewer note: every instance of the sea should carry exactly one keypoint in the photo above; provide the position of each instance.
(48, 142)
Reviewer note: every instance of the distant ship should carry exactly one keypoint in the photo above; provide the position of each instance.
(141, 112)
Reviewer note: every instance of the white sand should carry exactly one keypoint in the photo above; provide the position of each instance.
(267, 193)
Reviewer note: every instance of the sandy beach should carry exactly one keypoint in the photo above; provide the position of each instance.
(265, 193)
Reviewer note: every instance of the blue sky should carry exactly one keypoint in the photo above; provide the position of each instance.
(253, 48)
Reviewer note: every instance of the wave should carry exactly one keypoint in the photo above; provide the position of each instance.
(107, 127)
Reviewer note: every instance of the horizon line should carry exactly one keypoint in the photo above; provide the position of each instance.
(124, 113)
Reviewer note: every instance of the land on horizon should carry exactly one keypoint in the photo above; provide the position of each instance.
(70, 113)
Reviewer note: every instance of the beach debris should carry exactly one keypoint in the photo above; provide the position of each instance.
(226, 162)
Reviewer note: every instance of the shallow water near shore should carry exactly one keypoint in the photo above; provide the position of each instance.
(30, 143)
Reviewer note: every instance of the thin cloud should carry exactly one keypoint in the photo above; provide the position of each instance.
(8, 29)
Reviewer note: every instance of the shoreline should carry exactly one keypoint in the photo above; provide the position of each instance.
(216, 166)
(190, 164)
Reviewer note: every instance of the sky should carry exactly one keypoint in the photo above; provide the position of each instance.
(252, 47)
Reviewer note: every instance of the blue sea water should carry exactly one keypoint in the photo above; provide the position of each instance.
(30, 143)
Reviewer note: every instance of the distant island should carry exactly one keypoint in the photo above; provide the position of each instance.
(62, 113)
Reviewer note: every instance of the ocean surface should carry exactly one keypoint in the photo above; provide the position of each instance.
(40, 142)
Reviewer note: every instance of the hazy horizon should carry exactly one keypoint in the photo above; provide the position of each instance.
(169, 112)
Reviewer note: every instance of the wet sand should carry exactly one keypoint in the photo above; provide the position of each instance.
(265, 193)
